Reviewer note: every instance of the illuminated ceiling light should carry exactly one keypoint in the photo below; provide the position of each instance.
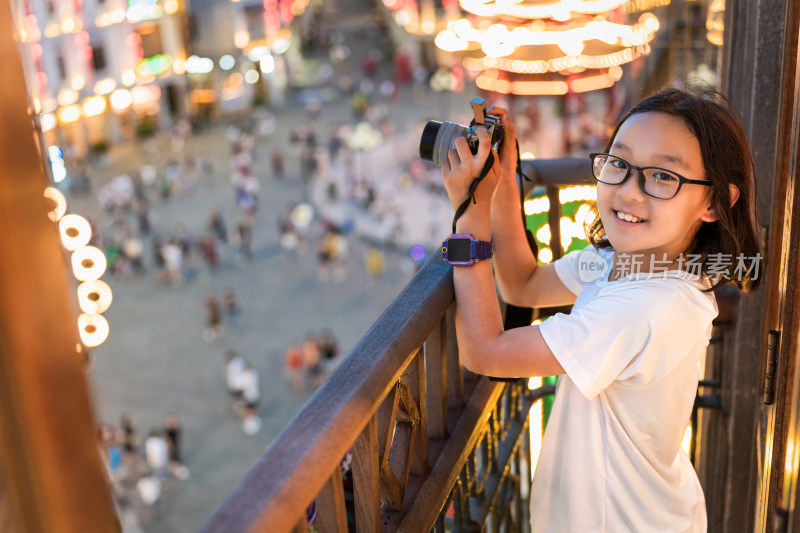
(199, 65)
(449, 41)
(571, 47)
(105, 86)
(94, 296)
(251, 76)
(78, 82)
(118, 15)
(67, 96)
(94, 105)
(68, 25)
(267, 64)
(139, 10)
(75, 232)
(171, 7)
(281, 42)
(69, 114)
(121, 99)
(559, 10)
(88, 263)
(52, 30)
(227, 62)
(128, 78)
(145, 94)
(428, 27)
(59, 203)
(257, 53)
(241, 38)
(93, 329)
(103, 20)
(179, 66)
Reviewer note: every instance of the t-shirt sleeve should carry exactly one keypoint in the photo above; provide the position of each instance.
(567, 271)
(627, 335)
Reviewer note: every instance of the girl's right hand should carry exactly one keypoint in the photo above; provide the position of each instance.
(508, 148)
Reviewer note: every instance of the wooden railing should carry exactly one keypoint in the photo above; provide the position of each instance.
(423, 432)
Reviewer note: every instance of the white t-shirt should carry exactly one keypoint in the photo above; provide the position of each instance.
(611, 459)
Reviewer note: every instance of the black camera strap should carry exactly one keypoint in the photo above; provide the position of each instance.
(528, 233)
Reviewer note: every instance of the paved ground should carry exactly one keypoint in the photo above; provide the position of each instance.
(155, 361)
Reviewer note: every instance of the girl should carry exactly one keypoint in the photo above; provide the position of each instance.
(675, 218)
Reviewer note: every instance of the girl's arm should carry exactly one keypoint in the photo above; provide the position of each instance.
(520, 280)
(484, 346)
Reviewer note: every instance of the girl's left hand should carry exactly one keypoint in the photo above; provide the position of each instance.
(462, 167)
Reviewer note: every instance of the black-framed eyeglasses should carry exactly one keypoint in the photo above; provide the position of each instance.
(654, 181)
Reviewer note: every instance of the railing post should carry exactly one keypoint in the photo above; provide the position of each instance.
(331, 511)
(415, 377)
(366, 479)
(436, 382)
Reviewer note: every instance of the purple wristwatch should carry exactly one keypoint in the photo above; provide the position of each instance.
(465, 250)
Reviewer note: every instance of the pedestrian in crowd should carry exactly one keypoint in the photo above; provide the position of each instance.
(148, 488)
(172, 253)
(208, 247)
(213, 327)
(173, 434)
(244, 241)
(143, 217)
(216, 224)
(132, 249)
(311, 359)
(234, 368)
(130, 444)
(288, 237)
(230, 305)
(293, 362)
(276, 160)
(156, 453)
(328, 346)
(374, 263)
(251, 394)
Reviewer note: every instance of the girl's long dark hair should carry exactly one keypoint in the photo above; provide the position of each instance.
(713, 120)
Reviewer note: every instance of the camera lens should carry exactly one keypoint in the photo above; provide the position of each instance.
(428, 140)
(437, 139)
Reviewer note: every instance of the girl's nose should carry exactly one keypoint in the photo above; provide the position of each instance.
(631, 189)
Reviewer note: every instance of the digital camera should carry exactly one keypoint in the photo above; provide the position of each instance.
(438, 137)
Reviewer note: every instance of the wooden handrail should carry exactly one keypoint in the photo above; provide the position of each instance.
(381, 387)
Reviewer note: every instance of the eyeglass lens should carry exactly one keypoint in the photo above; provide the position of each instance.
(613, 170)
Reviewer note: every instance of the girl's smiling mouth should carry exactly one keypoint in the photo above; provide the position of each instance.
(627, 218)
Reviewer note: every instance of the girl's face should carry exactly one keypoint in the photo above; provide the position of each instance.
(665, 226)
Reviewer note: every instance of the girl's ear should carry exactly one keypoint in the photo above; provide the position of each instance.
(710, 214)
(734, 193)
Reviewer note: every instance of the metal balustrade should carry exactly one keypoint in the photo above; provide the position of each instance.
(423, 432)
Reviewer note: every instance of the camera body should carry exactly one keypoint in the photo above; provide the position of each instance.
(438, 137)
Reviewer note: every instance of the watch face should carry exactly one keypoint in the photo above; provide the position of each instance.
(459, 249)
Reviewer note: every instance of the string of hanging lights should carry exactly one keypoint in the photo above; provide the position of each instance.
(536, 46)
